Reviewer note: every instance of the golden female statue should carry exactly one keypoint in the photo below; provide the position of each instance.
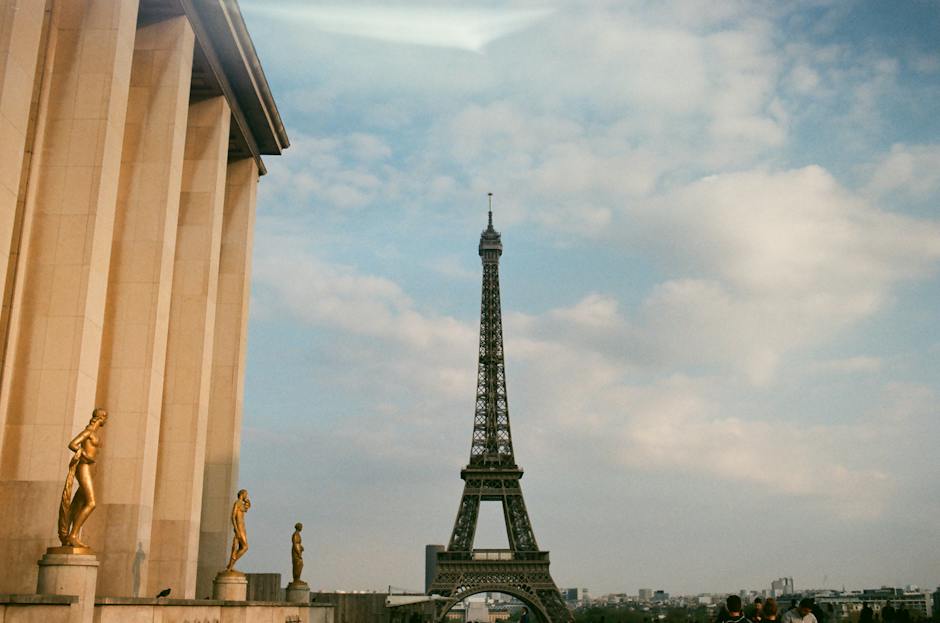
(240, 541)
(74, 511)
(297, 552)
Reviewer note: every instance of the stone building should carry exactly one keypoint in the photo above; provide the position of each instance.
(131, 142)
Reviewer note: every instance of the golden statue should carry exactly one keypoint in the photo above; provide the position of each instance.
(240, 541)
(297, 553)
(74, 511)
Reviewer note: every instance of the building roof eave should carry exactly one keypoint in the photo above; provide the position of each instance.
(221, 33)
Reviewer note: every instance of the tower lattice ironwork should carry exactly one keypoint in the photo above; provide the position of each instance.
(492, 475)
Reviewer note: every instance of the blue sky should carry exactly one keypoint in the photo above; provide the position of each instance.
(720, 287)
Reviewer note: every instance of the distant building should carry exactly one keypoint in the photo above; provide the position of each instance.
(782, 586)
(845, 604)
(498, 614)
(574, 595)
(645, 595)
(660, 596)
(477, 612)
(936, 603)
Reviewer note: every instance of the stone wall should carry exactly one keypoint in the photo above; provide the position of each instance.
(129, 610)
(356, 607)
(38, 608)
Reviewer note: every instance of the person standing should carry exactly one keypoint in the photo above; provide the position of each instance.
(722, 615)
(821, 617)
(803, 613)
(888, 613)
(769, 612)
(867, 615)
(735, 610)
(757, 611)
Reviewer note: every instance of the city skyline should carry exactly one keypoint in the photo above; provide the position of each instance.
(720, 287)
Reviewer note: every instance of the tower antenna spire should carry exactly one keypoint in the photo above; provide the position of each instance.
(490, 197)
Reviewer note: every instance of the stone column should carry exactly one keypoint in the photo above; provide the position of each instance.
(175, 538)
(51, 366)
(228, 371)
(133, 353)
(21, 26)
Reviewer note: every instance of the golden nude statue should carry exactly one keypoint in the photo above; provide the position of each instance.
(297, 552)
(240, 541)
(74, 511)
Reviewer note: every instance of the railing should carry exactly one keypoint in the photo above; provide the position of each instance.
(493, 554)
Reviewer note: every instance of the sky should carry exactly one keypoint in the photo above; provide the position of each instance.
(719, 283)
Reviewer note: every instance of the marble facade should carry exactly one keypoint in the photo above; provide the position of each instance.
(131, 142)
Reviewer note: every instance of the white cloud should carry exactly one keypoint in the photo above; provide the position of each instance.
(804, 79)
(374, 310)
(339, 296)
(798, 231)
(747, 69)
(679, 424)
(760, 265)
(480, 132)
(907, 170)
(345, 172)
(785, 260)
(561, 173)
(860, 364)
(367, 147)
(675, 425)
(927, 63)
(875, 81)
(452, 266)
(595, 311)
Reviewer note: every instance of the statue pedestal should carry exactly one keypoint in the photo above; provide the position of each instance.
(230, 586)
(70, 571)
(298, 592)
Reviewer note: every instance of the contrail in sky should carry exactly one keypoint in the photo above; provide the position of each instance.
(468, 29)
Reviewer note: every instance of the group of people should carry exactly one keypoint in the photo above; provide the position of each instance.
(761, 611)
(804, 611)
(889, 614)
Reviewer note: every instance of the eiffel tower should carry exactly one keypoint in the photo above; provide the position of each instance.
(492, 475)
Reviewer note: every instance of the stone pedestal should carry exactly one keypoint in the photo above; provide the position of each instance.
(70, 571)
(298, 592)
(230, 586)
